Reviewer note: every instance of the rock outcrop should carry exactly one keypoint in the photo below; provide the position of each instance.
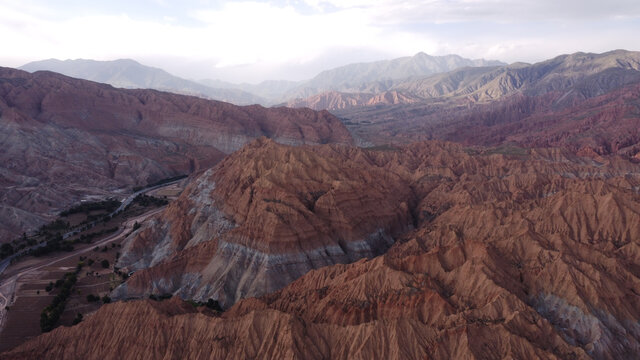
(265, 216)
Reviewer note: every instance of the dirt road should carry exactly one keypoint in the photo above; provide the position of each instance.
(12, 276)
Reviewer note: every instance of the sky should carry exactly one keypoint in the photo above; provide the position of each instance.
(252, 41)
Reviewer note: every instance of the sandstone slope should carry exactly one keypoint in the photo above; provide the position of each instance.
(263, 217)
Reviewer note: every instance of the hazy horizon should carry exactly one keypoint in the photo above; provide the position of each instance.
(250, 41)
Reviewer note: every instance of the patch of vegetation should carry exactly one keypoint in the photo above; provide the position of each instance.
(105, 263)
(211, 304)
(385, 147)
(55, 244)
(471, 151)
(160, 297)
(51, 314)
(108, 205)
(77, 319)
(147, 200)
(6, 250)
(54, 226)
(92, 298)
(214, 305)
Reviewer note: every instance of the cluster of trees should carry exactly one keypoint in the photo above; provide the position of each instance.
(146, 200)
(77, 319)
(53, 229)
(6, 249)
(160, 297)
(51, 314)
(160, 182)
(211, 304)
(108, 205)
(55, 244)
(94, 298)
(54, 226)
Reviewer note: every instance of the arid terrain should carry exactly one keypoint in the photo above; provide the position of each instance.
(577, 101)
(495, 253)
(417, 208)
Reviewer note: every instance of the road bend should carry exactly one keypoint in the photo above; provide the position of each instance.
(8, 285)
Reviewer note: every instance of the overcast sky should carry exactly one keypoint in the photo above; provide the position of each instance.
(253, 41)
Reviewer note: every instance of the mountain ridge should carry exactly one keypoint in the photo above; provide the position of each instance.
(488, 83)
(128, 73)
(64, 138)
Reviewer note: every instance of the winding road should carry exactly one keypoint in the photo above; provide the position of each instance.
(8, 286)
(6, 262)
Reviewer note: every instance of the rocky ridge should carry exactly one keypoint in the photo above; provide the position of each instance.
(263, 217)
(510, 255)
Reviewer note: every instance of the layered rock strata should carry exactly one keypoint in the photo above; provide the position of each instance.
(529, 255)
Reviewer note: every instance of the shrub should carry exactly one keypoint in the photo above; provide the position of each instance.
(105, 263)
(77, 319)
(214, 305)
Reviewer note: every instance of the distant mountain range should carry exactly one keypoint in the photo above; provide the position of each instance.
(127, 73)
(373, 77)
(578, 75)
(580, 101)
(379, 76)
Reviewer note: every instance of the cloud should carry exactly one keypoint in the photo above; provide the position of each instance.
(440, 11)
(261, 37)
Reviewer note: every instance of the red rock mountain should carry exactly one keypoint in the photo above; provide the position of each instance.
(64, 138)
(263, 217)
(511, 254)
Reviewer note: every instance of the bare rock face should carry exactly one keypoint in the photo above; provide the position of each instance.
(65, 138)
(334, 100)
(526, 255)
(265, 216)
